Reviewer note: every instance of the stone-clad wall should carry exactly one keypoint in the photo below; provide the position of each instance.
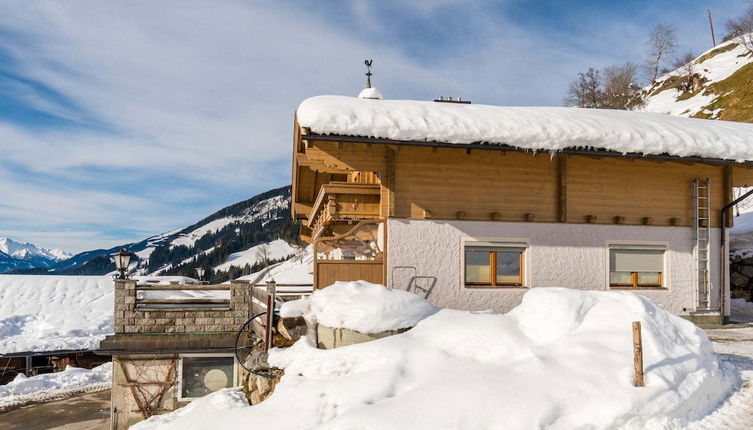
(741, 276)
(129, 320)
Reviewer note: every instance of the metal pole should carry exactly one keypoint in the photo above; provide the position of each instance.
(723, 254)
(711, 24)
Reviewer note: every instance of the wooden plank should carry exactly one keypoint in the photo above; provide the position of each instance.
(637, 355)
(727, 181)
(187, 287)
(562, 187)
(259, 294)
(390, 183)
(192, 301)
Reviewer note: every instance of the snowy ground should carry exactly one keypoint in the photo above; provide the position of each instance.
(735, 347)
(54, 386)
(50, 313)
(561, 360)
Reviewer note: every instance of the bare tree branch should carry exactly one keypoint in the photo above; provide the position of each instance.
(662, 45)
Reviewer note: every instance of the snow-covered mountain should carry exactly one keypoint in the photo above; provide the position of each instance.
(15, 255)
(228, 243)
(716, 85)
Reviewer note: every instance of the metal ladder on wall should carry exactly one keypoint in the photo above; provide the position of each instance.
(702, 239)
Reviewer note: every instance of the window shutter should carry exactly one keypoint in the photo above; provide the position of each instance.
(636, 260)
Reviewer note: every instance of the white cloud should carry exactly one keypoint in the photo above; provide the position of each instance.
(200, 95)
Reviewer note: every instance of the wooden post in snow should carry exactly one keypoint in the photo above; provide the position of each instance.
(271, 293)
(637, 354)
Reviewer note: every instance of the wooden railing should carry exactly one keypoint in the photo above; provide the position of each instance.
(345, 202)
(182, 303)
(271, 295)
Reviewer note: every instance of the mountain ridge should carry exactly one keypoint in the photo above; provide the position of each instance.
(206, 243)
(18, 255)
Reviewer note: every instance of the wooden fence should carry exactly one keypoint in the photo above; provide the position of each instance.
(193, 303)
(270, 296)
(329, 271)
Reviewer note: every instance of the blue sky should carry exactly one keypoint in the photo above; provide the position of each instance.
(119, 120)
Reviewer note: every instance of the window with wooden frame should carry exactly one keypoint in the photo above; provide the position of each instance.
(494, 264)
(636, 266)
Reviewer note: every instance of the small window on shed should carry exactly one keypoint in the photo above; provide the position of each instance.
(204, 374)
(636, 266)
(494, 264)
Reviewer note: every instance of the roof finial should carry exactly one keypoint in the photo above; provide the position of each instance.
(368, 64)
(369, 92)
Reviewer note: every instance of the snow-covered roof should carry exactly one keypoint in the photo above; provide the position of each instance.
(531, 128)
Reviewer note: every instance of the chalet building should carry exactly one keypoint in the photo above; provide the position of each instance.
(473, 205)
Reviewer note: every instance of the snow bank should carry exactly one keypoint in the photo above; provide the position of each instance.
(23, 389)
(534, 128)
(223, 400)
(561, 360)
(361, 306)
(742, 310)
(50, 313)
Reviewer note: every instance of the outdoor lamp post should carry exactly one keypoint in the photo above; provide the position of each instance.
(122, 259)
(200, 273)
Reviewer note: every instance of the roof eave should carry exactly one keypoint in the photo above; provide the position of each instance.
(505, 147)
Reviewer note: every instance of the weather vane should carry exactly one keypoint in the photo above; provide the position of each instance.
(368, 72)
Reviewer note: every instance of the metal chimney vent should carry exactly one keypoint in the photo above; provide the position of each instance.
(441, 99)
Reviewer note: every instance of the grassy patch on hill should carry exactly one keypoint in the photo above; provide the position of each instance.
(736, 99)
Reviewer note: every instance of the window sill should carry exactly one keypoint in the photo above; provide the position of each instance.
(639, 288)
(495, 287)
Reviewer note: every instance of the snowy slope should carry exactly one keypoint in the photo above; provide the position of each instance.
(561, 360)
(724, 77)
(532, 128)
(49, 313)
(298, 269)
(275, 250)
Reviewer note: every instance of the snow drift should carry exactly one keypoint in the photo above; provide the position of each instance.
(70, 378)
(361, 306)
(560, 360)
(51, 313)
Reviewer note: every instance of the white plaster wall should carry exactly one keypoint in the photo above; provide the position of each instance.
(559, 255)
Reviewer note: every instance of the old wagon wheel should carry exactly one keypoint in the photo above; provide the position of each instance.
(245, 332)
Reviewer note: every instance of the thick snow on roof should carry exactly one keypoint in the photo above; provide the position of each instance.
(534, 128)
(50, 313)
(563, 359)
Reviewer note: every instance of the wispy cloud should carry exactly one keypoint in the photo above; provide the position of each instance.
(139, 117)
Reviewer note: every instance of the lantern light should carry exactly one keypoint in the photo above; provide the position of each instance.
(122, 259)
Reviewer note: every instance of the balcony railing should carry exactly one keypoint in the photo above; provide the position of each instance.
(342, 201)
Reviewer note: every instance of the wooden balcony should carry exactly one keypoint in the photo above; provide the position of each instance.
(342, 201)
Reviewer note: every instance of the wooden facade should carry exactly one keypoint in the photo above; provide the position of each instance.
(419, 180)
